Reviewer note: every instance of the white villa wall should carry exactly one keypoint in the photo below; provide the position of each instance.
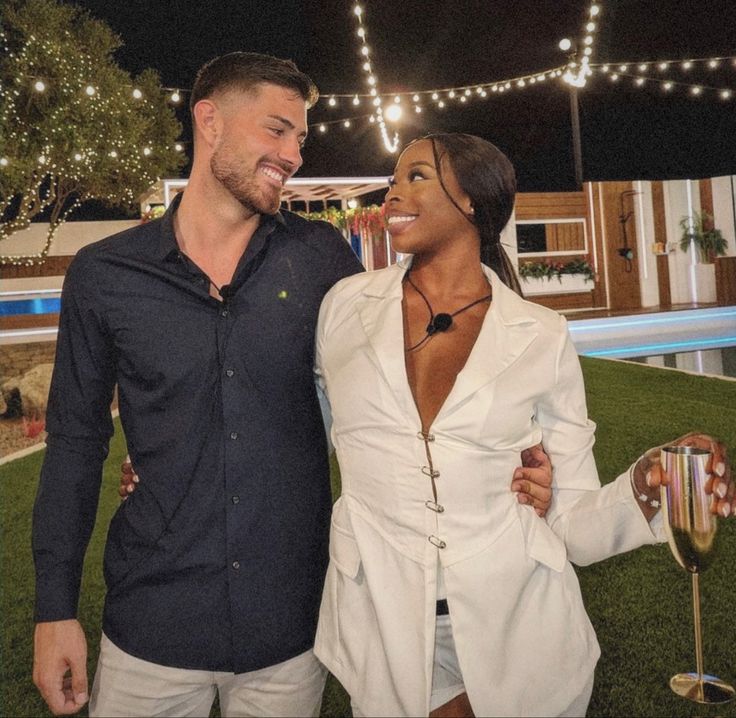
(724, 209)
(644, 213)
(69, 238)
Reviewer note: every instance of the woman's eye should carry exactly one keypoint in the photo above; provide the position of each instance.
(415, 175)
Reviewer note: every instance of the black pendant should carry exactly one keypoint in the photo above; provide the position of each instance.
(440, 323)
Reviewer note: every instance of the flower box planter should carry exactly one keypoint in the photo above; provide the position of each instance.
(565, 284)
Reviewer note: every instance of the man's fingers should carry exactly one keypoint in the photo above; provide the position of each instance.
(534, 477)
(533, 486)
(78, 665)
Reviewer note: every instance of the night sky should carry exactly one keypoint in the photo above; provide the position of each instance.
(627, 133)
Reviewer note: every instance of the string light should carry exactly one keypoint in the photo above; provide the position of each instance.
(694, 90)
(391, 144)
(175, 97)
(576, 73)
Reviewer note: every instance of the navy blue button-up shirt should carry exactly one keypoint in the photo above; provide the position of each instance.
(217, 561)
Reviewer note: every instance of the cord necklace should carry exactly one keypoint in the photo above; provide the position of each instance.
(442, 321)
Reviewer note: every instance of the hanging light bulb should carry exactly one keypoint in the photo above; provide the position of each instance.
(175, 97)
(39, 86)
(356, 100)
(137, 94)
(393, 113)
(332, 102)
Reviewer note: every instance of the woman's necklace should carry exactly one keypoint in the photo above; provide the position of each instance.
(439, 322)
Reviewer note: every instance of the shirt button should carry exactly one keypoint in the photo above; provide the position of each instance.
(225, 312)
(229, 372)
(236, 499)
(236, 565)
(233, 435)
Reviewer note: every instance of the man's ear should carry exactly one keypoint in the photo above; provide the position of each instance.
(207, 120)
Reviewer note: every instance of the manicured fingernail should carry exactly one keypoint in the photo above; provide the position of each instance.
(135, 478)
(721, 490)
(80, 698)
(720, 468)
(648, 478)
(129, 489)
(518, 473)
(725, 510)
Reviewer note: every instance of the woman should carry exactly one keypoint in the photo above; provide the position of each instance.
(444, 595)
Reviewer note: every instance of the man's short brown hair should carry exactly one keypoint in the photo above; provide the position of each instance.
(245, 71)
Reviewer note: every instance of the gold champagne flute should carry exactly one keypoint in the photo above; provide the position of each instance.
(691, 533)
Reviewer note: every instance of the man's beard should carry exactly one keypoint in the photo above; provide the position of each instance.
(242, 183)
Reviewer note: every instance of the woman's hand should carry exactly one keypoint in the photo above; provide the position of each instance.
(128, 479)
(532, 480)
(649, 476)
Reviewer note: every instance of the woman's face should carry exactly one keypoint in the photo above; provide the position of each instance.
(421, 218)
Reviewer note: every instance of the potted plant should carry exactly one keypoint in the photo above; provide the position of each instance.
(572, 276)
(698, 231)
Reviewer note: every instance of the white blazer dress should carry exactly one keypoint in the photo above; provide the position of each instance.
(523, 639)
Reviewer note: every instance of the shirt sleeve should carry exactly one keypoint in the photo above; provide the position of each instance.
(343, 261)
(594, 522)
(79, 428)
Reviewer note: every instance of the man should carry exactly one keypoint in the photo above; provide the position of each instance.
(205, 320)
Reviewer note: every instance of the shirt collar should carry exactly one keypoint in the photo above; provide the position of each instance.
(167, 245)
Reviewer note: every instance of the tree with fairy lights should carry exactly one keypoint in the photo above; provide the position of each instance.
(74, 126)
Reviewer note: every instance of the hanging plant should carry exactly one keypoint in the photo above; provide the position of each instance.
(361, 220)
(698, 231)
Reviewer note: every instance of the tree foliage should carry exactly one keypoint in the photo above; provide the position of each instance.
(89, 131)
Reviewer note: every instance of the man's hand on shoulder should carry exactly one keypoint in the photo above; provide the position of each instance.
(60, 647)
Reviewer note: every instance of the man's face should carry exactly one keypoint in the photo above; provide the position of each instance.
(260, 145)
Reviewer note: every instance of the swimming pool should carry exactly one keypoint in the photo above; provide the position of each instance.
(37, 305)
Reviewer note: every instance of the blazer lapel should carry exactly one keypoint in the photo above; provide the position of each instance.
(506, 333)
(381, 318)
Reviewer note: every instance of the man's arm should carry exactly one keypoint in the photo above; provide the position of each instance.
(79, 425)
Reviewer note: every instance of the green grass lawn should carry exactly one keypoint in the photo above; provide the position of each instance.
(639, 603)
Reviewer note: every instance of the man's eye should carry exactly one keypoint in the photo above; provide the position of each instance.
(277, 130)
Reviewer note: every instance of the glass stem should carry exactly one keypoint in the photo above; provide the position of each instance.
(696, 621)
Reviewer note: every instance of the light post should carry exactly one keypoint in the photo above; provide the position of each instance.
(575, 77)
